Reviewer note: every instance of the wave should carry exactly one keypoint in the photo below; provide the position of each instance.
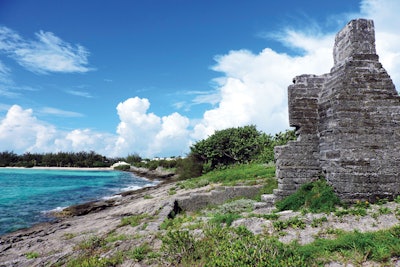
(58, 209)
(111, 197)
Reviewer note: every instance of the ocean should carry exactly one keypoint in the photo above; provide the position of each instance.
(27, 196)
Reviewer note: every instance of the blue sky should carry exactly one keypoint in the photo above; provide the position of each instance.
(152, 77)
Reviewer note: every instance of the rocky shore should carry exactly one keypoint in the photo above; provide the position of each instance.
(58, 242)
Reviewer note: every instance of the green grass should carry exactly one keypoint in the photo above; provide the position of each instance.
(139, 253)
(32, 255)
(247, 174)
(133, 220)
(224, 218)
(316, 196)
(227, 246)
(377, 246)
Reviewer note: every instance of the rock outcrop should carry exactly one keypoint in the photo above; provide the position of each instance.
(347, 122)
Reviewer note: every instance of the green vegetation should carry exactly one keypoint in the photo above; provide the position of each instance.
(32, 255)
(294, 222)
(221, 245)
(139, 253)
(224, 218)
(228, 147)
(207, 238)
(122, 167)
(316, 196)
(90, 251)
(235, 145)
(134, 220)
(356, 247)
(236, 174)
(60, 159)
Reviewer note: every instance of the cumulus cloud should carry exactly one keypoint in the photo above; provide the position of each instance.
(386, 20)
(251, 89)
(146, 133)
(48, 53)
(21, 131)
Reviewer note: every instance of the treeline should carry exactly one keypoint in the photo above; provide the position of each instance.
(225, 147)
(61, 159)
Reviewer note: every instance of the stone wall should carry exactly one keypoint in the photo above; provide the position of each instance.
(348, 124)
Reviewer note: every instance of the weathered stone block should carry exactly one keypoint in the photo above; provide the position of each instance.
(347, 122)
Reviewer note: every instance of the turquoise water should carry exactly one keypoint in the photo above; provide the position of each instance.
(27, 195)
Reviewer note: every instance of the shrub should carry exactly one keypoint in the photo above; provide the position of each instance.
(237, 206)
(226, 218)
(189, 167)
(228, 247)
(316, 196)
(122, 167)
(139, 253)
(133, 220)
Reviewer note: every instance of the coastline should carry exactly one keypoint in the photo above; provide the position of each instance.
(55, 240)
(156, 177)
(83, 220)
(63, 168)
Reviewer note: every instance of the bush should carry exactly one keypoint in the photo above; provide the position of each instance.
(229, 146)
(122, 167)
(189, 167)
(316, 196)
(226, 218)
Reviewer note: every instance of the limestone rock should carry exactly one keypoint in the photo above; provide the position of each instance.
(347, 122)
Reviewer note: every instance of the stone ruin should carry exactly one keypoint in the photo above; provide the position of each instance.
(347, 124)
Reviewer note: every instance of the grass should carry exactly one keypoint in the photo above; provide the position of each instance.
(247, 174)
(224, 218)
(31, 255)
(133, 220)
(220, 245)
(139, 253)
(377, 246)
(316, 196)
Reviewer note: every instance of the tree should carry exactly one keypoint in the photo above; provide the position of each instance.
(8, 158)
(229, 146)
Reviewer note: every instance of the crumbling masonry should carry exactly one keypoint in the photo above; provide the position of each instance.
(347, 123)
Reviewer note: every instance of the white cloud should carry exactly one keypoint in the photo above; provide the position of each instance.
(60, 112)
(79, 93)
(148, 134)
(21, 131)
(48, 53)
(387, 35)
(253, 88)
(173, 138)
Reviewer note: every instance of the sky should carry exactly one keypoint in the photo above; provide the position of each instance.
(153, 77)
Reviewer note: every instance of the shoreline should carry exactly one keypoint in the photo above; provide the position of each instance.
(62, 168)
(157, 177)
(56, 240)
